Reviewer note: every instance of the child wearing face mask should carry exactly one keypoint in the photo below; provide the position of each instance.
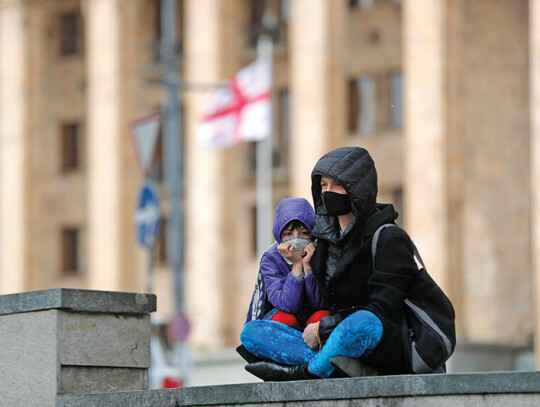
(287, 291)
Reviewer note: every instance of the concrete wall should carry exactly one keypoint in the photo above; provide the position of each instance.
(467, 143)
(65, 347)
(71, 341)
(502, 389)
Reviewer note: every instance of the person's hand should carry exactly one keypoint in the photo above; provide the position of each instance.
(309, 250)
(287, 251)
(310, 336)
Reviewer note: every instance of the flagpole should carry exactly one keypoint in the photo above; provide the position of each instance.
(264, 152)
(172, 149)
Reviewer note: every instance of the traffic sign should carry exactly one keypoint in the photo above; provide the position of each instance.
(178, 328)
(145, 132)
(147, 215)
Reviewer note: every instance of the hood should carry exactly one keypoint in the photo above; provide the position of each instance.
(354, 169)
(290, 209)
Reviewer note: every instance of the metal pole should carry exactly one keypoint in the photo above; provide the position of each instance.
(172, 148)
(150, 274)
(264, 152)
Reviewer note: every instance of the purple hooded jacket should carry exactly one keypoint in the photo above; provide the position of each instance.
(276, 286)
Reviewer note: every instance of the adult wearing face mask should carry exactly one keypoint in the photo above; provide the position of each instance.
(366, 301)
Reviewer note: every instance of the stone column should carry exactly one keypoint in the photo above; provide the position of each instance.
(317, 87)
(425, 202)
(102, 24)
(494, 132)
(211, 186)
(534, 58)
(13, 148)
(65, 341)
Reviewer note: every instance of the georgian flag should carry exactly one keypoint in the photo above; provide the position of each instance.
(240, 110)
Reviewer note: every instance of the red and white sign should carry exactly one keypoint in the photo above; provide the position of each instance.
(240, 110)
(145, 132)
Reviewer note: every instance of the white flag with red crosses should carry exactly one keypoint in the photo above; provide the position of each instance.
(240, 110)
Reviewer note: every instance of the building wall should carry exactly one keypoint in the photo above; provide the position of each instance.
(490, 128)
(477, 244)
(57, 197)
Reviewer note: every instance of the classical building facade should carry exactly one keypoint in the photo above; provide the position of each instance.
(443, 93)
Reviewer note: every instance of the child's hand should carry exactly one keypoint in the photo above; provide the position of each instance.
(287, 251)
(307, 255)
(310, 336)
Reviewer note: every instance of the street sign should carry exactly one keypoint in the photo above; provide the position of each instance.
(178, 328)
(147, 215)
(145, 132)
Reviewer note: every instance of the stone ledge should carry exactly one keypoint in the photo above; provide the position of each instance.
(508, 383)
(78, 300)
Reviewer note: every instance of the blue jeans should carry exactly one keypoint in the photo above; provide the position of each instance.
(356, 335)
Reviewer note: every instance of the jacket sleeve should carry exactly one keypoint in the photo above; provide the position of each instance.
(285, 291)
(313, 296)
(393, 270)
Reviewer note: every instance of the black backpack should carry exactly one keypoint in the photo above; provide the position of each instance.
(429, 333)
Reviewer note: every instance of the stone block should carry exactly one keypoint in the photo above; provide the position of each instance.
(91, 339)
(446, 390)
(78, 300)
(28, 359)
(82, 379)
(72, 341)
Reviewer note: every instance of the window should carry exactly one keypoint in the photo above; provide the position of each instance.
(397, 100)
(268, 16)
(161, 244)
(368, 4)
(156, 170)
(253, 240)
(383, 101)
(375, 103)
(397, 200)
(282, 131)
(156, 5)
(71, 264)
(361, 105)
(284, 10)
(363, 4)
(70, 146)
(257, 8)
(70, 31)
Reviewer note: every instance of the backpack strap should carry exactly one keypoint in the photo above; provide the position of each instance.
(376, 239)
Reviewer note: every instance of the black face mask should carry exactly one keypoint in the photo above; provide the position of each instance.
(336, 204)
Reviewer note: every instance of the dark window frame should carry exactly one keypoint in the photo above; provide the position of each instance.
(70, 251)
(361, 101)
(70, 34)
(282, 131)
(70, 146)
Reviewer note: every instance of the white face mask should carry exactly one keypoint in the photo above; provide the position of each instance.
(299, 244)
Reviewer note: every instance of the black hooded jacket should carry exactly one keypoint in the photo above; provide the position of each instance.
(343, 264)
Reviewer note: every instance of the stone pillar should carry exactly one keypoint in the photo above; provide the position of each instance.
(534, 58)
(13, 148)
(494, 133)
(317, 88)
(425, 203)
(211, 180)
(64, 341)
(102, 24)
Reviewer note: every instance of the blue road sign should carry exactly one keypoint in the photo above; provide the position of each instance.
(147, 215)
